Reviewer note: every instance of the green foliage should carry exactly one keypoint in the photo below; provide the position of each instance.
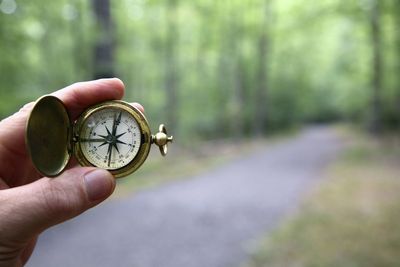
(41, 50)
(308, 62)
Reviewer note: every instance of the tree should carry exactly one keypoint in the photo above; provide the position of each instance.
(261, 97)
(172, 64)
(103, 59)
(376, 82)
(396, 14)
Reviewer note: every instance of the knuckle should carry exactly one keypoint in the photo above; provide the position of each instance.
(76, 85)
(27, 107)
(19, 116)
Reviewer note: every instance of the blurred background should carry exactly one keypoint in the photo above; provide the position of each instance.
(212, 69)
(228, 77)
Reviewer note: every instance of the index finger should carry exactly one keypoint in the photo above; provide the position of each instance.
(79, 96)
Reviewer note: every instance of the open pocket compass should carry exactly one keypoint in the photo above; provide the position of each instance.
(112, 135)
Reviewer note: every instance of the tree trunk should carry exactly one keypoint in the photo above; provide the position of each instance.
(171, 65)
(81, 48)
(222, 93)
(223, 75)
(261, 95)
(237, 122)
(376, 39)
(396, 14)
(238, 97)
(103, 60)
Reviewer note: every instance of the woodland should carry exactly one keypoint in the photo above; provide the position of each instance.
(213, 69)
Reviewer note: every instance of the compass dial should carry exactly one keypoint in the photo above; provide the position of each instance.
(110, 138)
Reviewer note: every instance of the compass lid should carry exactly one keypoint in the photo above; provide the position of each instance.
(48, 136)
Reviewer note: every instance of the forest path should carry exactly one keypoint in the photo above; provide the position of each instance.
(210, 220)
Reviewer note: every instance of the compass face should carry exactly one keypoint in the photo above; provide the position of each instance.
(110, 138)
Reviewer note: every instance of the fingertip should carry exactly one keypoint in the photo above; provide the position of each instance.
(118, 85)
(138, 106)
(115, 83)
(81, 95)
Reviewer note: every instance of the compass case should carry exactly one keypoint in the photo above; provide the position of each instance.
(145, 133)
(48, 136)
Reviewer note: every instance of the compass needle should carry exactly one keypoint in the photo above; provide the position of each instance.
(120, 142)
(109, 154)
(92, 140)
(108, 131)
(118, 136)
(105, 143)
(116, 148)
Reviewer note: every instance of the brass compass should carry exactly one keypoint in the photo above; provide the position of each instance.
(112, 135)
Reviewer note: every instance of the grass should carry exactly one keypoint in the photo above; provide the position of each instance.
(351, 219)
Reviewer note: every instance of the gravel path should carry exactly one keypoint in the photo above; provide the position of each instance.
(210, 220)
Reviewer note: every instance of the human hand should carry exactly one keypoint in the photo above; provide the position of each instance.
(30, 204)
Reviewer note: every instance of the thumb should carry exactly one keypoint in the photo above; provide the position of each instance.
(32, 208)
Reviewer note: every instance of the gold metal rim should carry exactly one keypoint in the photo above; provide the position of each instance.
(48, 136)
(144, 130)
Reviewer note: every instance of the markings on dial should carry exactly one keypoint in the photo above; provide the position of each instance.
(104, 149)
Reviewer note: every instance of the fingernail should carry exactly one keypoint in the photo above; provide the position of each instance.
(99, 184)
